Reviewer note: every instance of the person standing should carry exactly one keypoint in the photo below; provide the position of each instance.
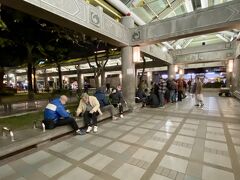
(199, 94)
(90, 108)
(180, 89)
(161, 91)
(56, 115)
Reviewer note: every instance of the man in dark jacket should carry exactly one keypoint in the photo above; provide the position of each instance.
(117, 100)
(56, 115)
(104, 103)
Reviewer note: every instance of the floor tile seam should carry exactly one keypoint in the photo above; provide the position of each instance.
(62, 172)
(220, 152)
(139, 146)
(189, 159)
(70, 160)
(66, 158)
(232, 152)
(153, 166)
(128, 131)
(89, 169)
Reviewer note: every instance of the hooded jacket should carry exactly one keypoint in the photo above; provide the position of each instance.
(55, 110)
(101, 97)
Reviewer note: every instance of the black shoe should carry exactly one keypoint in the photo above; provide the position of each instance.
(80, 132)
(196, 104)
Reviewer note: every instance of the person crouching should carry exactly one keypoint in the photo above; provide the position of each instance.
(56, 115)
(90, 108)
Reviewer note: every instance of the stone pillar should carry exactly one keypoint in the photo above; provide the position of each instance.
(236, 74)
(15, 80)
(103, 79)
(136, 79)
(79, 78)
(46, 85)
(128, 68)
(171, 71)
(149, 79)
(229, 75)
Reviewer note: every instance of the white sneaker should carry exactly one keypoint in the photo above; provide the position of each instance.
(95, 129)
(88, 129)
(121, 116)
(114, 118)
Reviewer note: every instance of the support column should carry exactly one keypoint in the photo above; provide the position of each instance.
(128, 68)
(103, 79)
(171, 71)
(136, 79)
(46, 85)
(236, 74)
(15, 80)
(79, 78)
(149, 79)
(229, 74)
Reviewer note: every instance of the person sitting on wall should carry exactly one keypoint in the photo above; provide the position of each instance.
(90, 108)
(104, 104)
(153, 100)
(116, 98)
(56, 115)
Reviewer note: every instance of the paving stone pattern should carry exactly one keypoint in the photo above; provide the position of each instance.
(179, 142)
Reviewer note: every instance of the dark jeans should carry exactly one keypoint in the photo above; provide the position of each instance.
(120, 107)
(90, 119)
(180, 93)
(50, 124)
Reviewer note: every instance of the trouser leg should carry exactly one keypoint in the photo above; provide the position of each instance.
(68, 121)
(94, 118)
(86, 118)
(120, 108)
(49, 124)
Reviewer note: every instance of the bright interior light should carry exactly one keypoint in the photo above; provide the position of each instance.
(136, 54)
(148, 74)
(230, 65)
(181, 71)
(164, 49)
(176, 68)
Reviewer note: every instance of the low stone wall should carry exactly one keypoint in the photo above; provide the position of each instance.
(31, 138)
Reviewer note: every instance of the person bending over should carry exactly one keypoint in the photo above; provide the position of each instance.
(56, 115)
(90, 108)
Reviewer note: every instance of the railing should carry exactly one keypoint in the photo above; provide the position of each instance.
(38, 124)
(6, 131)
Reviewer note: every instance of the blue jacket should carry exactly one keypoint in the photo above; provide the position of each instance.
(55, 110)
(101, 97)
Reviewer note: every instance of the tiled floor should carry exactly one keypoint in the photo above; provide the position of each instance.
(180, 142)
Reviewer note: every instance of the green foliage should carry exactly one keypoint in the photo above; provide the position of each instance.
(2, 25)
(20, 122)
